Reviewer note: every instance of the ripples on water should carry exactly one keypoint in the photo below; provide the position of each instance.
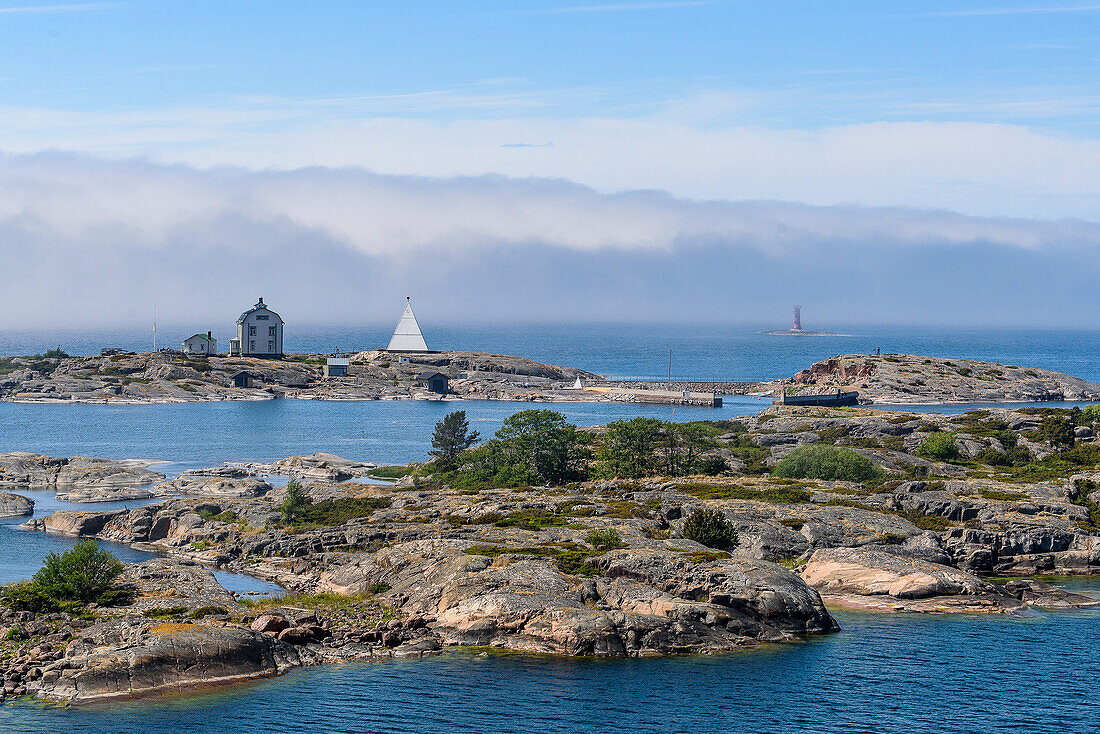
(881, 674)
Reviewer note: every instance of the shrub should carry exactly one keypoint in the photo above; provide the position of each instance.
(711, 528)
(83, 574)
(25, 596)
(379, 587)
(827, 462)
(296, 501)
(939, 446)
(605, 539)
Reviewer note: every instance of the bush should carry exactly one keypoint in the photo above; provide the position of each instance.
(939, 446)
(295, 503)
(827, 462)
(711, 528)
(83, 574)
(24, 596)
(605, 539)
(379, 587)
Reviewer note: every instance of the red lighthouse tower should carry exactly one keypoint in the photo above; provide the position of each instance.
(797, 319)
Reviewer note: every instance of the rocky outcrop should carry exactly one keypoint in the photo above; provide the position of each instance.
(15, 505)
(639, 603)
(136, 657)
(316, 467)
(900, 379)
(215, 487)
(865, 578)
(1045, 596)
(78, 472)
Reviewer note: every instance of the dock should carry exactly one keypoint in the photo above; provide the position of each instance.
(660, 397)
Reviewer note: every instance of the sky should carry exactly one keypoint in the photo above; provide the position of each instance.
(671, 160)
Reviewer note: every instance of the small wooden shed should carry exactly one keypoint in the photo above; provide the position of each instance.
(244, 378)
(336, 367)
(435, 382)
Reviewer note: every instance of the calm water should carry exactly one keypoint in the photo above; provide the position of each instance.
(700, 352)
(883, 673)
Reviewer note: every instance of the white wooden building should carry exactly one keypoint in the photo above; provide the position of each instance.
(201, 344)
(259, 333)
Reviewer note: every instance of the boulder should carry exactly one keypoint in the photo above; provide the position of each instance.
(270, 624)
(1044, 596)
(876, 579)
(15, 505)
(135, 657)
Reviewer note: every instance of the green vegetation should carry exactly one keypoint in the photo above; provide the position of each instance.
(452, 436)
(1082, 488)
(391, 472)
(605, 539)
(68, 581)
(710, 528)
(226, 516)
(164, 612)
(379, 587)
(816, 461)
(785, 495)
(531, 447)
(296, 501)
(939, 446)
(322, 600)
(794, 523)
(570, 558)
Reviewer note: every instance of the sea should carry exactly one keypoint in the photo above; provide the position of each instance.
(882, 673)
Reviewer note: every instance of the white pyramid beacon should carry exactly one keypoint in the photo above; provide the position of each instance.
(407, 336)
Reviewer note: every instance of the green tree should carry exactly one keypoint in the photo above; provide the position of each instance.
(711, 528)
(628, 449)
(84, 574)
(1058, 431)
(821, 461)
(939, 446)
(684, 445)
(543, 445)
(295, 503)
(452, 436)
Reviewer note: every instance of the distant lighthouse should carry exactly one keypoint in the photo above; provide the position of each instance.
(797, 319)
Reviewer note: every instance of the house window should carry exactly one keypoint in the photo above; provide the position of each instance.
(262, 318)
(252, 331)
(271, 347)
(271, 331)
(252, 346)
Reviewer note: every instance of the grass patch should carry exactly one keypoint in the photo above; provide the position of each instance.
(775, 495)
(570, 558)
(391, 472)
(328, 513)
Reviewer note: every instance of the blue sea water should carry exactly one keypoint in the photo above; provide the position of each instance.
(882, 673)
(699, 351)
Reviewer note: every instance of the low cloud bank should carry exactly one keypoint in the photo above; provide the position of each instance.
(93, 241)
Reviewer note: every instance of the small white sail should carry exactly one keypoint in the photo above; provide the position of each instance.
(577, 385)
(407, 336)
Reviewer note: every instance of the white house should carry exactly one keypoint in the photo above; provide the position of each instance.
(200, 344)
(259, 333)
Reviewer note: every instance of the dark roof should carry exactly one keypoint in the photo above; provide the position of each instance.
(204, 336)
(430, 375)
(247, 374)
(260, 306)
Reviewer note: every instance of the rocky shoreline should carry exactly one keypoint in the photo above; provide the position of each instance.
(598, 568)
(890, 379)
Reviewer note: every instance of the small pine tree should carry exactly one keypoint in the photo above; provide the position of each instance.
(295, 503)
(452, 436)
(711, 528)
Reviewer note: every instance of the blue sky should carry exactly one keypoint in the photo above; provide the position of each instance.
(787, 63)
(579, 134)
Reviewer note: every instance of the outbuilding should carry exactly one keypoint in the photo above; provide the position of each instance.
(336, 367)
(244, 378)
(201, 344)
(435, 382)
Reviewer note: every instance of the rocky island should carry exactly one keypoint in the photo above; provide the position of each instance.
(638, 538)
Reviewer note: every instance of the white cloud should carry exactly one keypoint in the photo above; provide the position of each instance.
(94, 239)
(976, 168)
